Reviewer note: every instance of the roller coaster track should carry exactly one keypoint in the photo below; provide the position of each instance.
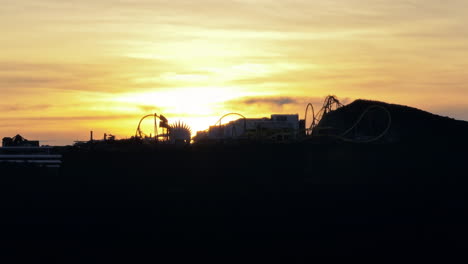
(308, 131)
(140, 134)
(218, 123)
(330, 104)
(389, 123)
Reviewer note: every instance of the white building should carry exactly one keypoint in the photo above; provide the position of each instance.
(278, 128)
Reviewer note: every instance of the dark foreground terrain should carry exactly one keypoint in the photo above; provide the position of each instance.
(251, 203)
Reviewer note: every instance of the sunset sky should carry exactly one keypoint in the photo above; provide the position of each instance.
(68, 67)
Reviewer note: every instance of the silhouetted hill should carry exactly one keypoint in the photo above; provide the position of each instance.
(408, 124)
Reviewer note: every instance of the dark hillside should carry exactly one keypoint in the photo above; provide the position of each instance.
(408, 124)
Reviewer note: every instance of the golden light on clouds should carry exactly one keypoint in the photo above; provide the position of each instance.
(68, 67)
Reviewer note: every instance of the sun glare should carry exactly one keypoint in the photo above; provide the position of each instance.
(199, 107)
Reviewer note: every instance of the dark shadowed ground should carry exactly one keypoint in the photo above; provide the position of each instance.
(251, 203)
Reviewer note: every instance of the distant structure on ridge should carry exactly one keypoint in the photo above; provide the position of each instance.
(19, 141)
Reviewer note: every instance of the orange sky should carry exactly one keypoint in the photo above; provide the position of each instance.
(67, 67)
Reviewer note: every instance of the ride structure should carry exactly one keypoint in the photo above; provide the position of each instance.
(352, 134)
(163, 124)
(331, 103)
(175, 133)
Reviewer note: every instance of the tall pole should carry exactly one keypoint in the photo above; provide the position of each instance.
(155, 127)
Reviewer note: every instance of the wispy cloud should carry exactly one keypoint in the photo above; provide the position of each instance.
(25, 82)
(148, 108)
(275, 101)
(72, 118)
(253, 106)
(22, 107)
(110, 75)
